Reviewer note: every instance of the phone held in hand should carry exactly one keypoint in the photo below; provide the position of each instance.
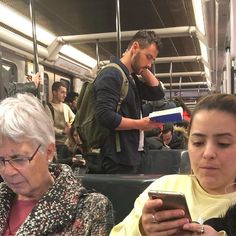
(171, 200)
(79, 157)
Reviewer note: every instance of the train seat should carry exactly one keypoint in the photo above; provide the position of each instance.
(122, 190)
(163, 162)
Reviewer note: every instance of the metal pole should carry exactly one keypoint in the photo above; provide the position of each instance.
(170, 80)
(118, 29)
(32, 15)
(154, 68)
(228, 70)
(97, 54)
(180, 88)
(2, 91)
(36, 59)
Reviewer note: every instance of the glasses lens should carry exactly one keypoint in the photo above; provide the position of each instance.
(19, 162)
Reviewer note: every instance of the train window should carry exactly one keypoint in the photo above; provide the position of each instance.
(8, 75)
(67, 83)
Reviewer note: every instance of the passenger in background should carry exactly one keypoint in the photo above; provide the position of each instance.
(137, 60)
(186, 111)
(71, 101)
(37, 197)
(76, 159)
(209, 191)
(169, 137)
(63, 117)
(28, 87)
(158, 105)
(174, 137)
(154, 140)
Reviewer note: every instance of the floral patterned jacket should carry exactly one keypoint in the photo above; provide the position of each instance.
(66, 208)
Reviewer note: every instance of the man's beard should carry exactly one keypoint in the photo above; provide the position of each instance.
(135, 65)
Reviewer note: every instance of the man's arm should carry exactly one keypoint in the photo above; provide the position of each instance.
(140, 124)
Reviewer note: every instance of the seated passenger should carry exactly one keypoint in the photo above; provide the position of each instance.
(154, 141)
(186, 111)
(174, 137)
(75, 155)
(38, 197)
(209, 191)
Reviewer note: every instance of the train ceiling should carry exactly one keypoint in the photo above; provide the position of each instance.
(82, 17)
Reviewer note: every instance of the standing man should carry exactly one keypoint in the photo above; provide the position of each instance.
(63, 118)
(137, 60)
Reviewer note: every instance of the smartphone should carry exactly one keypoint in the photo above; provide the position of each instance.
(79, 157)
(171, 200)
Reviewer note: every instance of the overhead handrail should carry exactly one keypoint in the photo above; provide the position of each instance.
(180, 31)
(178, 74)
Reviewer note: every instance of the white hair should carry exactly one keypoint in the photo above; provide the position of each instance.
(23, 118)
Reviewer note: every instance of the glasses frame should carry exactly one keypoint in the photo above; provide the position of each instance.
(10, 160)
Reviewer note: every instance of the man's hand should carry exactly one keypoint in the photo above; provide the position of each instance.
(149, 77)
(36, 79)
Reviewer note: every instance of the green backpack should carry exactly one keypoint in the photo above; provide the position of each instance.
(91, 133)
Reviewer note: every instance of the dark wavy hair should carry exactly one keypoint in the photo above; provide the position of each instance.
(145, 38)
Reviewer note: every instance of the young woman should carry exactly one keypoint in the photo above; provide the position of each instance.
(209, 191)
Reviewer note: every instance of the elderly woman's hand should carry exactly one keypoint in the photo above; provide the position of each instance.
(165, 222)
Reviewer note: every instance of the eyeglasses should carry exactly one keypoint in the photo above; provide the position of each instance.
(17, 161)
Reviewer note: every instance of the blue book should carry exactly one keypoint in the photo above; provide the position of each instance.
(168, 115)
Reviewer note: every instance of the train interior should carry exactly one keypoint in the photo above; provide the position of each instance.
(197, 54)
(67, 40)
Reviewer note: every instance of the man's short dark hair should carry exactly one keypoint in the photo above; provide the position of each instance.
(167, 127)
(71, 97)
(145, 38)
(56, 85)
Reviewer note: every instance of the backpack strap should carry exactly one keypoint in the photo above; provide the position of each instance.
(123, 94)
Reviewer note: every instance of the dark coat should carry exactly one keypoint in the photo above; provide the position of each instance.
(65, 209)
(107, 91)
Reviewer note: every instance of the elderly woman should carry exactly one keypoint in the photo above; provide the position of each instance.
(37, 197)
(209, 191)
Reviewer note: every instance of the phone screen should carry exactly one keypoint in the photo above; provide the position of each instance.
(171, 200)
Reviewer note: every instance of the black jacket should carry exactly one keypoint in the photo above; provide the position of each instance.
(226, 222)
